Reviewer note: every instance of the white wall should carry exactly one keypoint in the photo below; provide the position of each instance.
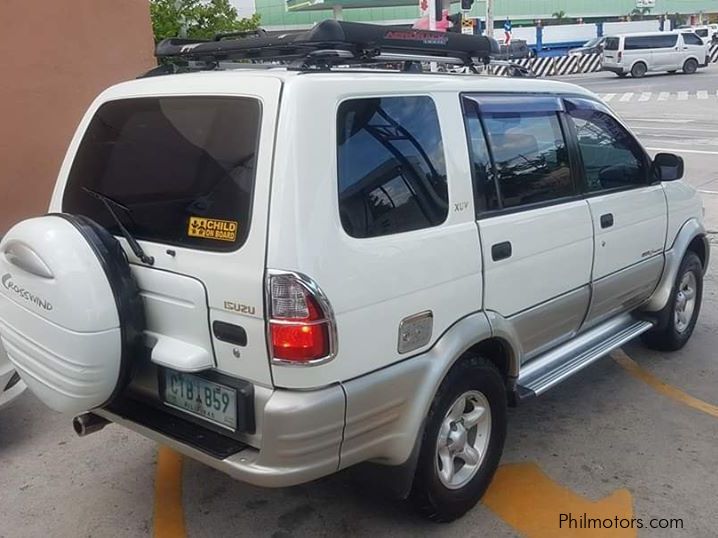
(245, 8)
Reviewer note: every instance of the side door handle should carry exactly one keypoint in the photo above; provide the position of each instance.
(501, 251)
(607, 220)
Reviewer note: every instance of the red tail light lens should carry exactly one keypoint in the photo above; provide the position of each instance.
(301, 323)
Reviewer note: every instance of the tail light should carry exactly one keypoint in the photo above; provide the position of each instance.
(620, 56)
(301, 328)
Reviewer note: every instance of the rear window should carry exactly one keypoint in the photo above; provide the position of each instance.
(182, 167)
(651, 42)
(611, 43)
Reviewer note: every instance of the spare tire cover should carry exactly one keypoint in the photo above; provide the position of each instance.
(71, 316)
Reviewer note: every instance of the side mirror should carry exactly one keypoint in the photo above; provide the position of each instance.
(668, 167)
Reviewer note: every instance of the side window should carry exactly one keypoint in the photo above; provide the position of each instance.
(485, 195)
(612, 158)
(665, 41)
(692, 39)
(529, 152)
(391, 169)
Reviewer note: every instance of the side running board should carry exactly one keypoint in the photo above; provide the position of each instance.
(549, 369)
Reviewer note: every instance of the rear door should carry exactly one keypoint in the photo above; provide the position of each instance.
(536, 233)
(611, 51)
(628, 211)
(189, 175)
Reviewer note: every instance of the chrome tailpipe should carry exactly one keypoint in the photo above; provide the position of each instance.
(88, 423)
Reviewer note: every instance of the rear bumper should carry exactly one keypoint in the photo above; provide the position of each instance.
(301, 434)
(613, 68)
(304, 435)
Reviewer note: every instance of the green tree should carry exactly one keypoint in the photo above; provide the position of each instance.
(196, 19)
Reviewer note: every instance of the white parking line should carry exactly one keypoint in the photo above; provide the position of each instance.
(682, 96)
(702, 94)
(609, 96)
(645, 96)
(663, 96)
(626, 97)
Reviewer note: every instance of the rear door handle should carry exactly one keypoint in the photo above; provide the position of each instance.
(501, 251)
(607, 220)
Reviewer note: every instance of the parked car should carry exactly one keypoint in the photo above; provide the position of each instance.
(594, 46)
(11, 386)
(287, 272)
(638, 54)
(708, 33)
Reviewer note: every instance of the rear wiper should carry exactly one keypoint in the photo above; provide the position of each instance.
(108, 203)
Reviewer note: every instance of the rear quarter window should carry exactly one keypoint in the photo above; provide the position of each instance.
(180, 169)
(391, 169)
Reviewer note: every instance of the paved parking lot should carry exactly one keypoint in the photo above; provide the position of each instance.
(635, 435)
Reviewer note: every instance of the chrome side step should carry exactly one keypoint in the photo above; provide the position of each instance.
(547, 370)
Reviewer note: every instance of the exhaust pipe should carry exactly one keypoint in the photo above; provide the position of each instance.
(88, 423)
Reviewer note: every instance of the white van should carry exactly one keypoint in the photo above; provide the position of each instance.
(640, 53)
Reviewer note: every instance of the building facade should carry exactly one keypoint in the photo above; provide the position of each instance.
(295, 14)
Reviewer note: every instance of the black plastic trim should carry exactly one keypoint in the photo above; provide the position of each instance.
(128, 301)
(14, 379)
(230, 333)
(178, 428)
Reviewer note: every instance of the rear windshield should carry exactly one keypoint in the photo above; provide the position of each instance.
(180, 169)
(611, 43)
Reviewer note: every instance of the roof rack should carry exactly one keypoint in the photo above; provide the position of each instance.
(327, 44)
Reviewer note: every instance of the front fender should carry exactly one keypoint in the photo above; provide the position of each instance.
(691, 229)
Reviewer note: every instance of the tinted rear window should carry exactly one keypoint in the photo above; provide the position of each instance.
(651, 42)
(611, 43)
(182, 166)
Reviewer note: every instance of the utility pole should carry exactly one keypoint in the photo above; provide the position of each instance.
(489, 18)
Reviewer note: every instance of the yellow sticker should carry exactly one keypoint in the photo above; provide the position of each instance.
(221, 230)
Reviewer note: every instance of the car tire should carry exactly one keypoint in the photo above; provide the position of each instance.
(678, 318)
(690, 66)
(639, 70)
(474, 385)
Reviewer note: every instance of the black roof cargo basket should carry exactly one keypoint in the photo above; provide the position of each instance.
(333, 43)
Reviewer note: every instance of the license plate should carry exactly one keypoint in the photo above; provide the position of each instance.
(202, 398)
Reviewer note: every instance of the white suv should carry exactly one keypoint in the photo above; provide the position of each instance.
(287, 271)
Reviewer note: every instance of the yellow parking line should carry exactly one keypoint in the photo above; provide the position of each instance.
(169, 514)
(660, 386)
(535, 505)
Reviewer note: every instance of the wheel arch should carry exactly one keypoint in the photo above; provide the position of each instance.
(386, 437)
(691, 236)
